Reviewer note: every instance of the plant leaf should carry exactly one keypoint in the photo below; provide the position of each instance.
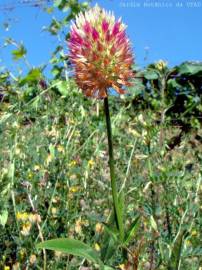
(174, 260)
(113, 232)
(3, 217)
(132, 230)
(121, 201)
(63, 88)
(19, 53)
(110, 239)
(73, 247)
(150, 74)
(153, 223)
(109, 248)
(190, 68)
(33, 76)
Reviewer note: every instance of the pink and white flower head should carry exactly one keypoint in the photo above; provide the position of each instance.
(100, 53)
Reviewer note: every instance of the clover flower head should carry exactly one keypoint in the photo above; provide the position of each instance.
(100, 53)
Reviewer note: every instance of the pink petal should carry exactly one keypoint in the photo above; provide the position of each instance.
(105, 26)
(95, 34)
(113, 50)
(115, 29)
(87, 28)
(75, 38)
(99, 46)
(108, 36)
(87, 44)
(122, 34)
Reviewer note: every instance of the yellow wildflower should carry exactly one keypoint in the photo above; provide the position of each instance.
(91, 163)
(97, 247)
(78, 226)
(30, 175)
(18, 215)
(188, 243)
(61, 149)
(194, 233)
(160, 65)
(53, 133)
(49, 159)
(54, 211)
(72, 163)
(71, 121)
(32, 259)
(22, 216)
(98, 228)
(26, 229)
(122, 266)
(6, 267)
(22, 253)
(74, 189)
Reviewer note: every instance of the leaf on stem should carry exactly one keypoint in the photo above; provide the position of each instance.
(132, 230)
(73, 247)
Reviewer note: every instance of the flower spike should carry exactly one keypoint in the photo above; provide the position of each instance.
(100, 53)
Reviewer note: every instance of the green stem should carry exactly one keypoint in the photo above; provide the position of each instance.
(112, 172)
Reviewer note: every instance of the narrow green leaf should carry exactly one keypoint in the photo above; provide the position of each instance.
(110, 239)
(174, 260)
(73, 247)
(153, 223)
(132, 230)
(109, 248)
(113, 232)
(52, 150)
(121, 200)
(164, 250)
